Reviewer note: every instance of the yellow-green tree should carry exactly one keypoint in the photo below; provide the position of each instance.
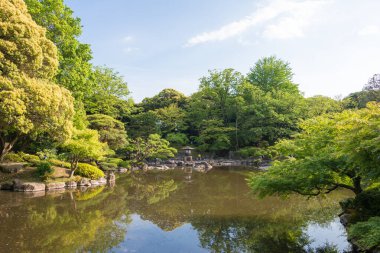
(84, 144)
(29, 103)
(24, 48)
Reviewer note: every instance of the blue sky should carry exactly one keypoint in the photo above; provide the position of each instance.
(332, 45)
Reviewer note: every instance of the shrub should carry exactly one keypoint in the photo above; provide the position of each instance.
(30, 158)
(89, 171)
(44, 170)
(60, 163)
(47, 153)
(368, 203)
(13, 157)
(366, 234)
(125, 164)
(250, 152)
(114, 160)
(108, 166)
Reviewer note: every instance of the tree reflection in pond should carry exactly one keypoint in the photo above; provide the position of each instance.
(216, 209)
(64, 224)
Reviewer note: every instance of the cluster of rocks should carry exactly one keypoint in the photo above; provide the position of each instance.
(11, 167)
(19, 186)
(200, 166)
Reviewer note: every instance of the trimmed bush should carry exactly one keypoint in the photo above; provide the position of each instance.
(30, 158)
(44, 170)
(108, 166)
(13, 157)
(60, 163)
(114, 160)
(89, 171)
(125, 164)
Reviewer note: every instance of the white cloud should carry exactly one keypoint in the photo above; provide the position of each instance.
(294, 16)
(369, 30)
(128, 50)
(294, 23)
(127, 39)
(127, 42)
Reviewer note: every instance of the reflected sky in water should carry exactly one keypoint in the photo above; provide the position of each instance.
(172, 211)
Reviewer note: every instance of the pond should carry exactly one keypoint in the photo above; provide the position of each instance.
(171, 211)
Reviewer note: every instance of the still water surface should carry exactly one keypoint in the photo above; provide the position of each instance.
(170, 211)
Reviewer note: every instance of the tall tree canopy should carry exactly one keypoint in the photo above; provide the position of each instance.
(64, 30)
(24, 48)
(110, 130)
(271, 73)
(332, 151)
(221, 87)
(29, 106)
(164, 98)
(108, 94)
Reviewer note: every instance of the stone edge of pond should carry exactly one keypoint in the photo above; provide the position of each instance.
(19, 186)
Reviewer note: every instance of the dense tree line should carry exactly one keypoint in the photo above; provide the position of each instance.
(53, 98)
(229, 112)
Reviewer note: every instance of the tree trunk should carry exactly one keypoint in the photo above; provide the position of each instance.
(74, 166)
(6, 147)
(357, 185)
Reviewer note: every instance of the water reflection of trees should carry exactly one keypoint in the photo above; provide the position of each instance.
(65, 224)
(218, 206)
(228, 219)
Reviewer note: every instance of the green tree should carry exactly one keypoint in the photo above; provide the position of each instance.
(24, 48)
(110, 130)
(164, 98)
(64, 30)
(332, 151)
(220, 87)
(172, 119)
(266, 117)
(154, 146)
(177, 139)
(271, 73)
(108, 94)
(142, 124)
(84, 145)
(29, 106)
(370, 92)
(318, 105)
(214, 136)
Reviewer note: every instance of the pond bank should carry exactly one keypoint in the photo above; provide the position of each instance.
(18, 185)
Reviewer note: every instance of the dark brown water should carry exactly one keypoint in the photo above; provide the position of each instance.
(171, 211)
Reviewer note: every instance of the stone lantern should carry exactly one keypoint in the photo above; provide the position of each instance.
(188, 157)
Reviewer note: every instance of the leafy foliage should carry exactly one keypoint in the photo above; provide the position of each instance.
(89, 171)
(29, 106)
(44, 170)
(339, 150)
(60, 163)
(164, 98)
(366, 234)
(84, 144)
(111, 131)
(272, 74)
(108, 94)
(154, 146)
(24, 48)
(64, 30)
